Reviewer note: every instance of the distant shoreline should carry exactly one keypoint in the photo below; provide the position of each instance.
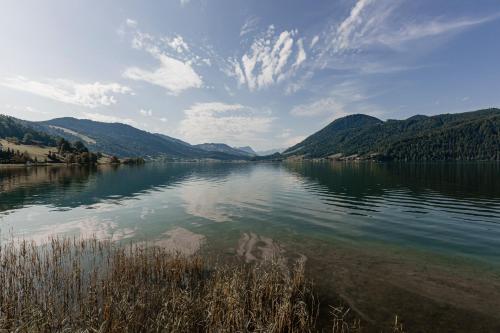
(208, 161)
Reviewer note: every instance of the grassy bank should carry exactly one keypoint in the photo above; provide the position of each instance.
(97, 286)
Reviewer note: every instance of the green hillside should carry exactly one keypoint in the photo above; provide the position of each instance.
(461, 136)
(223, 148)
(124, 140)
(17, 131)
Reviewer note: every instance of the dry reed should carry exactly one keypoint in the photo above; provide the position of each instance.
(78, 285)
(75, 285)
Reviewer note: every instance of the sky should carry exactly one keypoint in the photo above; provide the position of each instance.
(260, 73)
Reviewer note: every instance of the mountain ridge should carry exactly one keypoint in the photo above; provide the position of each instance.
(223, 148)
(456, 136)
(117, 139)
(473, 135)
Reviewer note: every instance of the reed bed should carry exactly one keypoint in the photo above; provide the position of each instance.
(76, 285)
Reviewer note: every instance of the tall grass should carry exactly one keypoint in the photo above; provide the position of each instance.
(76, 285)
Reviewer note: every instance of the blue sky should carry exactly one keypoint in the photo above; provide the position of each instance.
(259, 73)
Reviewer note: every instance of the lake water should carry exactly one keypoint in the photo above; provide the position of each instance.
(418, 240)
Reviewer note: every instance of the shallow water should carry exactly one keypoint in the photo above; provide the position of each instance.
(415, 227)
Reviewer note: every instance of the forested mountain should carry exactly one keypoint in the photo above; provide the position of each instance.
(124, 140)
(223, 148)
(461, 136)
(110, 138)
(23, 144)
(270, 151)
(18, 130)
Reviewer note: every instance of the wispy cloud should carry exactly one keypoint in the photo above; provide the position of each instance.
(173, 75)
(269, 60)
(286, 138)
(372, 23)
(328, 105)
(301, 54)
(429, 28)
(177, 43)
(146, 112)
(220, 122)
(344, 99)
(314, 41)
(89, 95)
(176, 71)
(250, 25)
(131, 23)
(366, 18)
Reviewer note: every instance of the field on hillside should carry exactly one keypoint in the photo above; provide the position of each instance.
(34, 151)
(40, 152)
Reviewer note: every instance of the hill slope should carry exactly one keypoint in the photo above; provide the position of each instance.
(248, 150)
(124, 140)
(115, 138)
(20, 130)
(462, 136)
(223, 148)
(109, 138)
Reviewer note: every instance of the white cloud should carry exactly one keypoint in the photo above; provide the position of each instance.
(173, 75)
(177, 43)
(131, 23)
(146, 112)
(163, 120)
(375, 23)
(285, 133)
(234, 124)
(351, 28)
(249, 26)
(267, 61)
(301, 54)
(314, 41)
(108, 119)
(184, 2)
(328, 105)
(287, 140)
(428, 29)
(89, 95)
(292, 141)
(346, 98)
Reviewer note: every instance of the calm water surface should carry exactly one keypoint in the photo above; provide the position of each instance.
(411, 224)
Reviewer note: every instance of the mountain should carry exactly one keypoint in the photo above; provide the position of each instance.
(270, 151)
(115, 139)
(173, 140)
(334, 138)
(111, 138)
(124, 140)
(460, 136)
(20, 130)
(223, 148)
(247, 149)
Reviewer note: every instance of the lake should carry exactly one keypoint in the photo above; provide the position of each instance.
(418, 240)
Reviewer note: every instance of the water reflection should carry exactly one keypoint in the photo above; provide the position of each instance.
(70, 187)
(179, 241)
(460, 180)
(252, 247)
(363, 226)
(244, 190)
(448, 208)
